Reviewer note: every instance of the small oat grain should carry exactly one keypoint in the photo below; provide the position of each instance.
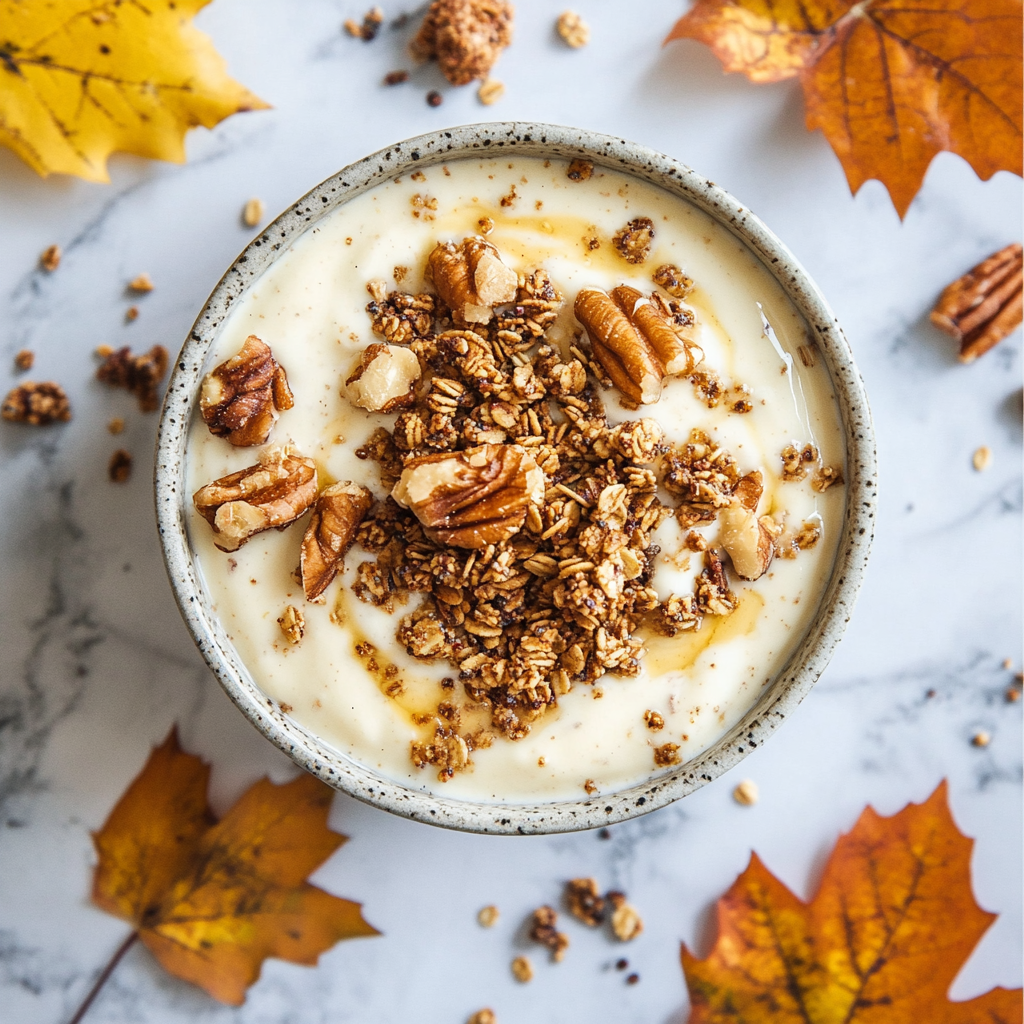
(982, 458)
(252, 212)
(488, 916)
(522, 969)
(490, 91)
(746, 793)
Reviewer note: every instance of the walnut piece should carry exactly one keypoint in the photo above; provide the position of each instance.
(271, 494)
(488, 916)
(633, 242)
(141, 374)
(678, 353)
(748, 540)
(542, 930)
(667, 754)
(985, 305)
(471, 279)
(472, 498)
(293, 624)
(584, 901)
(654, 720)
(385, 380)
(24, 360)
(242, 398)
(623, 351)
(573, 29)
(36, 404)
(466, 36)
(626, 922)
(825, 477)
(336, 516)
(673, 280)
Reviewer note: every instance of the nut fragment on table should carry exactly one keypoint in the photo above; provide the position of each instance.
(24, 360)
(982, 458)
(271, 494)
(472, 498)
(369, 27)
(484, 1016)
(119, 468)
(337, 513)
(985, 305)
(36, 404)
(626, 921)
(140, 375)
(584, 901)
(385, 379)
(488, 916)
(252, 212)
(825, 477)
(543, 930)
(490, 91)
(49, 260)
(466, 36)
(471, 279)
(242, 398)
(293, 624)
(141, 283)
(633, 242)
(573, 29)
(746, 793)
(522, 969)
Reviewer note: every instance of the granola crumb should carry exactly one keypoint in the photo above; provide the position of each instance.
(36, 404)
(584, 901)
(633, 979)
(522, 969)
(252, 212)
(293, 624)
(434, 98)
(1007, 663)
(24, 360)
(579, 170)
(746, 793)
(621, 964)
(633, 242)
(396, 77)
(49, 260)
(141, 283)
(370, 26)
(116, 425)
(490, 91)
(981, 738)
(488, 916)
(667, 755)
(1012, 694)
(573, 29)
(590, 786)
(604, 833)
(542, 930)
(131, 314)
(654, 721)
(982, 458)
(795, 461)
(486, 225)
(626, 921)
(120, 467)
(510, 198)
(484, 1016)
(673, 280)
(825, 477)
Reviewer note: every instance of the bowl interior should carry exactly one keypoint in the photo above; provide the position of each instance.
(790, 685)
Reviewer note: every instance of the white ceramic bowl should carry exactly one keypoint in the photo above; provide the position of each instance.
(173, 503)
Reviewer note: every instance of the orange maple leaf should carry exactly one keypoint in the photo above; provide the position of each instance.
(892, 923)
(890, 82)
(212, 900)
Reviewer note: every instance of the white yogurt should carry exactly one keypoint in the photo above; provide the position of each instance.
(310, 308)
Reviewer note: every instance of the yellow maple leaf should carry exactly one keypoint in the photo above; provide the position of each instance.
(81, 79)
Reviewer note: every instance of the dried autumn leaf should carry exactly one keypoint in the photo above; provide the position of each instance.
(891, 925)
(83, 78)
(212, 900)
(890, 85)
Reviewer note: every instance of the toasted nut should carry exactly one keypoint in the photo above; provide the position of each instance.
(472, 498)
(24, 360)
(466, 36)
(633, 242)
(673, 280)
(981, 738)
(749, 541)
(36, 404)
(484, 1016)
(471, 279)
(242, 398)
(142, 283)
(385, 380)
(119, 468)
(579, 170)
(746, 793)
(50, 258)
(584, 901)
(626, 921)
(542, 930)
(825, 477)
(271, 494)
(982, 458)
(488, 916)
(677, 354)
(293, 624)
(522, 969)
(252, 212)
(490, 91)
(654, 720)
(141, 374)
(338, 511)
(985, 305)
(131, 313)
(667, 755)
(624, 353)
(573, 29)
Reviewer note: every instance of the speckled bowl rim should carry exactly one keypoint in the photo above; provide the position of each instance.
(786, 691)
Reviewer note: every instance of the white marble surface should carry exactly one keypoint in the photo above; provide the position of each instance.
(97, 665)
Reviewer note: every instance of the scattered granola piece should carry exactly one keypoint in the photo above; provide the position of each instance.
(252, 212)
(370, 26)
(632, 979)
(120, 467)
(825, 477)
(573, 29)
(116, 425)
(293, 624)
(522, 969)
(141, 375)
(667, 755)
(486, 225)
(1007, 664)
(982, 458)
(485, 1016)
(24, 360)
(654, 721)
(633, 242)
(626, 921)
(396, 77)
(1012, 694)
(142, 283)
(590, 786)
(466, 36)
(673, 280)
(580, 170)
(131, 314)
(490, 91)
(795, 461)
(36, 404)
(621, 964)
(746, 793)
(543, 930)
(488, 916)
(434, 98)
(50, 258)
(585, 901)
(981, 738)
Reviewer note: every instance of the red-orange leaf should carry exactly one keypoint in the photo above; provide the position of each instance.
(890, 82)
(212, 900)
(891, 925)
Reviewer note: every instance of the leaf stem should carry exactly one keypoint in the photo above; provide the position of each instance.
(104, 974)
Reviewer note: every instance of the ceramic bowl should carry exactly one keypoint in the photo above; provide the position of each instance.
(314, 755)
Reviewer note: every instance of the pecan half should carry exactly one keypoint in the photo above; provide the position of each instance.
(466, 36)
(985, 305)
(677, 353)
(625, 354)
(471, 279)
(242, 398)
(472, 498)
(338, 511)
(273, 493)
(385, 380)
(748, 540)
(36, 404)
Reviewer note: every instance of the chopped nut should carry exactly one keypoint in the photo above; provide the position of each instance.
(242, 398)
(24, 360)
(678, 353)
(142, 283)
(466, 36)
(667, 755)
(490, 91)
(367, 31)
(488, 916)
(131, 313)
(626, 921)
(252, 212)
(981, 739)
(654, 720)
(746, 793)
(748, 540)
(673, 280)
(472, 279)
(633, 242)
(522, 969)
(293, 624)
(50, 258)
(485, 1016)
(825, 477)
(580, 170)
(543, 930)
(116, 425)
(795, 461)
(573, 29)
(385, 379)
(271, 494)
(985, 305)
(120, 467)
(36, 404)
(584, 901)
(472, 498)
(982, 458)
(590, 786)
(396, 77)
(336, 516)
(141, 375)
